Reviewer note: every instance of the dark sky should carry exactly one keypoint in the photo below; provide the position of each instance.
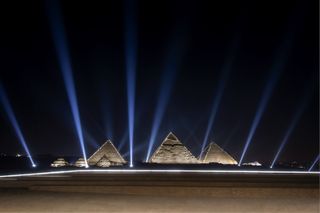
(200, 38)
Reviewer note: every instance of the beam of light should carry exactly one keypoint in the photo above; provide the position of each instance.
(230, 136)
(314, 163)
(277, 68)
(108, 127)
(280, 60)
(261, 108)
(225, 72)
(106, 110)
(89, 138)
(130, 53)
(292, 126)
(167, 80)
(160, 171)
(13, 120)
(60, 42)
(123, 140)
(137, 148)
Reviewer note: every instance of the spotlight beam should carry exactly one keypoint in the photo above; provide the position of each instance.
(225, 72)
(106, 110)
(279, 63)
(13, 120)
(123, 140)
(261, 108)
(130, 51)
(57, 28)
(292, 126)
(172, 63)
(314, 163)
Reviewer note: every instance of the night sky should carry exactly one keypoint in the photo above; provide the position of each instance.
(197, 41)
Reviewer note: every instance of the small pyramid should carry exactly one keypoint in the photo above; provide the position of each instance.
(215, 154)
(80, 163)
(60, 162)
(104, 162)
(172, 151)
(111, 153)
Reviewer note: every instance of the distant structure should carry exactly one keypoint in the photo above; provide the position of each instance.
(80, 163)
(107, 155)
(255, 163)
(172, 151)
(60, 162)
(215, 154)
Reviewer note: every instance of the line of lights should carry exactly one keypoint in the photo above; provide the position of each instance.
(13, 120)
(162, 171)
(60, 42)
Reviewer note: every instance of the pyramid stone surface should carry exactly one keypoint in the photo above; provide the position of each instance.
(215, 154)
(104, 162)
(172, 151)
(110, 152)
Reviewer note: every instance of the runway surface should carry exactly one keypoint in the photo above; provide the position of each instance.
(160, 192)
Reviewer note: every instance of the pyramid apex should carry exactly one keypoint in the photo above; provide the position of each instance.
(172, 137)
(107, 142)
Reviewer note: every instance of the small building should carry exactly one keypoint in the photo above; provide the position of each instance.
(255, 163)
(60, 162)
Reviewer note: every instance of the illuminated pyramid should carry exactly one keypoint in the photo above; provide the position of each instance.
(80, 163)
(108, 151)
(215, 154)
(172, 151)
(60, 162)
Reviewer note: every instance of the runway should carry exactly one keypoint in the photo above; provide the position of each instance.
(160, 192)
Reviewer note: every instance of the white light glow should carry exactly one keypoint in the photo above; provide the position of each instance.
(133, 171)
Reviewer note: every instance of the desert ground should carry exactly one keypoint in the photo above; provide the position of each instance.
(147, 192)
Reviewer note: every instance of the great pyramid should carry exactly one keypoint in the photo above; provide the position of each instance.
(172, 151)
(108, 151)
(215, 154)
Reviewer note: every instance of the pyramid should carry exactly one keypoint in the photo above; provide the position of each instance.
(215, 154)
(104, 162)
(60, 162)
(80, 163)
(110, 152)
(172, 151)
